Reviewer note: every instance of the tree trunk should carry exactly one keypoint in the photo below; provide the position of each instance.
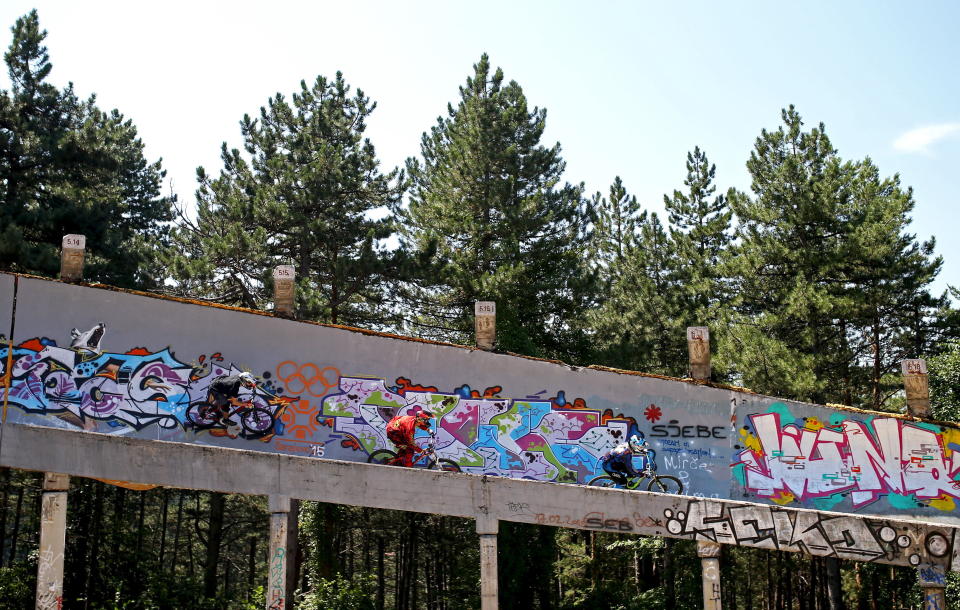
(214, 540)
(834, 587)
(381, 573)
(294, 557)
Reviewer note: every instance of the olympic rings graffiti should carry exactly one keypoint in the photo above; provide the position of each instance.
(307, 378)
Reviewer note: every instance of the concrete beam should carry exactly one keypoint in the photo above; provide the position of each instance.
(487, 499)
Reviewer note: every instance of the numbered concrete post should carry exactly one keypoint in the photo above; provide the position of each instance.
(916, 386)
(284, 289)
(71, 257)
(53, 531)
(698, 345)
(487, 528)
(276, 597)
(486, 323)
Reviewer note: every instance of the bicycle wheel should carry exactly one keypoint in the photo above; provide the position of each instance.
(257, 422)
(382, 456)
(446, 465)
(603, 480)
(664, 483)
(203, 415)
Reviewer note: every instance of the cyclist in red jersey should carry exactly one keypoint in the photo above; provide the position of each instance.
(401, 430)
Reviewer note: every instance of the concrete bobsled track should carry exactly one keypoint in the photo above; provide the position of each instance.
(99, 377)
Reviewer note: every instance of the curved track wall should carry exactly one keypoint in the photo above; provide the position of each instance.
(136, 365)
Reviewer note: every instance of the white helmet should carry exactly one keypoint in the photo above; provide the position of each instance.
(247, 379)
(635, 443)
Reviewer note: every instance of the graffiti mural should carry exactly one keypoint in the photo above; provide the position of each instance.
(809, 532)
(845, 457)
(532, 438)
(83, 386)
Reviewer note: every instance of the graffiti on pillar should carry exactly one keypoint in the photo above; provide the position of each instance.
(820, 463)
(845, 537)
(276, 596)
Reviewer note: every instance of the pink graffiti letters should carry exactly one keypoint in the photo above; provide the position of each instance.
(886, 456)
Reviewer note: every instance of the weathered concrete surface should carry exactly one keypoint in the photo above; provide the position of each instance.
(333, 390)
(6, 303)
(486, 499)
(53, 531)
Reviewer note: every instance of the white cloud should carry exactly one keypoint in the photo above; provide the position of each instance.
(920, 139)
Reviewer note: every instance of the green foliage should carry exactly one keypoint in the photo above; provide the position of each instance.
(304, 193)
(488, 213)
(944, 377)
(831, 292)
(357, 593)
(68, 167)
(17, 586)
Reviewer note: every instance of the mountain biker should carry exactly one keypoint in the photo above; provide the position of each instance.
(224, 392)
(618, 462)
(401, 430)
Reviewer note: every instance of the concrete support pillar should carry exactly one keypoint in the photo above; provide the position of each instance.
(933, 582)
(933, 579)
(698, 347)
(487, 528)
(485, 313)
(277, 559)
(709, 553)
(53, 532)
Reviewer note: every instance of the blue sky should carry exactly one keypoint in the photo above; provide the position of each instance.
(629, 87)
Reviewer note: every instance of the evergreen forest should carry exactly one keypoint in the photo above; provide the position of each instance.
(811, 282)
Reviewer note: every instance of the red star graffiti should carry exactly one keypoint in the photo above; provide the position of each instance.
(653, 413)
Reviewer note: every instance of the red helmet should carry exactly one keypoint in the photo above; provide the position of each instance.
(423, 418)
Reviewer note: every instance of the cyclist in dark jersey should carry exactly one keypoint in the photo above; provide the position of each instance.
(618, 462)
(224, 392)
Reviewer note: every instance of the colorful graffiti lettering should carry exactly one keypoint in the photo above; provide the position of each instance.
(768, 527)
(912, 464)
(135, 389)
(536, 439)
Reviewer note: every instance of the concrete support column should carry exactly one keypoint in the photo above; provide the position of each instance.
(698, 347)
(933, 581)
(277, 560)
(487, 528)
(709, 553)
(932, 578)
(53, 532)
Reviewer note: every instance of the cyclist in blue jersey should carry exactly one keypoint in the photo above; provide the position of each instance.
(618, 462)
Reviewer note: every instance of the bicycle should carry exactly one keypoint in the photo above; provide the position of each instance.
(257, 422)
(661, 483)
(425, 458)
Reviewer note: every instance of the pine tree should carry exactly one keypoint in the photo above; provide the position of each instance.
(699, 229)
(68, 167)
(831, 292)
(788, 331)
(489, 213)
(307, 192)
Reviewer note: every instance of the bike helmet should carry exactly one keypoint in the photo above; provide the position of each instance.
(635, 443)
(247, 379)
(423, 419)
